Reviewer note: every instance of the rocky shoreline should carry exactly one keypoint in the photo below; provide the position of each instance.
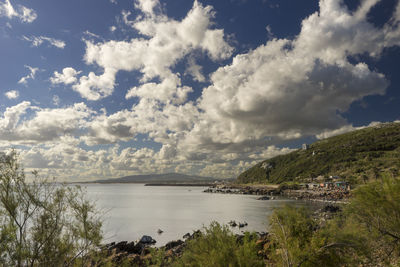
(143, 252)
(269, 192)
(139, 253)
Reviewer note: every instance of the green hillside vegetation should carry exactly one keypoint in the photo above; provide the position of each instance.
(356, 156)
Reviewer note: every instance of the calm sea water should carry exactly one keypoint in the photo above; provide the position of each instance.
(134, 210)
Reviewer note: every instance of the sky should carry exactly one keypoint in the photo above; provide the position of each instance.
(107, 88)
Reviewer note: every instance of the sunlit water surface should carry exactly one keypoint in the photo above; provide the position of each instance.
(133, 210)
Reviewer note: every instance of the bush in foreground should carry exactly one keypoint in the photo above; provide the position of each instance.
(43, 223)
(218, 246)
(366, 233)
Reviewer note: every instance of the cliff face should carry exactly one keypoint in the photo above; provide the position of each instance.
(355, 156)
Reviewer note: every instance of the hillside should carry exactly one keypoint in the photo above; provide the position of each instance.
(158, 178)
(356, 156)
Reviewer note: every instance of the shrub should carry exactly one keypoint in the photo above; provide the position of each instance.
(375, 207)
(218, 246)
(43, 223)
(367, 233)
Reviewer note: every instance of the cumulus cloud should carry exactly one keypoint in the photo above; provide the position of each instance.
(165, 42)
(39, 40)
(11, 117)
(287, 89)
(45, 125)
(270, 152)
(31, 75)
(195, 70)
(56, 100)
(345, 129)
(282, 90)
(23, 13)
(12, 94)
(169, 90)
(147, 6)
(163, 123)
(68, 76)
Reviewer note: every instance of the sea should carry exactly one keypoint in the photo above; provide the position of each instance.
(130, 211)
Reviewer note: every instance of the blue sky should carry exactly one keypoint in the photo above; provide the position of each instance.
(98, 88)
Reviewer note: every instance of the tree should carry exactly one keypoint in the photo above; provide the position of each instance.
(42, 222)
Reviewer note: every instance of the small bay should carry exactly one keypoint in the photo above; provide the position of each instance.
(130, 211)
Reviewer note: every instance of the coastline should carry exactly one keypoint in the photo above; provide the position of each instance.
(339, 196)
(143, 251)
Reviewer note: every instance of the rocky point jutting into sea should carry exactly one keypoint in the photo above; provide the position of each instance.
(269, 192)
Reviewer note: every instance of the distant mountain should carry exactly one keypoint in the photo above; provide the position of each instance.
(159, 178)
(356, 156)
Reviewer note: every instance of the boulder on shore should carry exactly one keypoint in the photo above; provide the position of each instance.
(147, 240)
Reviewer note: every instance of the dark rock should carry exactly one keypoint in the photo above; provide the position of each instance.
(159, 231)
(331, 208)
(139, 248)
(132, 248)
(120, 246)
(173, 244)
(147, 240)
(232, 224)
(264, 198)
(241, 225)
(185, 236)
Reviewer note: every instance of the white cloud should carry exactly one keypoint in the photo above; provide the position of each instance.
(39, 40)
(56, 100)
(13, 94)
(345, 129)
(287, 89)
(167, 42)
(341, 130)
(44, 125)
(169, 90)
(23, 13)
(282, 90)
(68, 76)
(147, 6)
(195, 70)
(270, 152)
(164, 123)
(31, 75)
(90, 34)
(28, 15)
(11, 118)
(95, 87)
(270, 34)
